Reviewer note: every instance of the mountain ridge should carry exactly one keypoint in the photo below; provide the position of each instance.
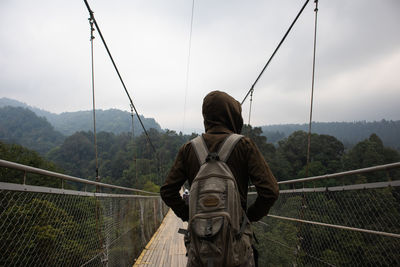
(110, 120)
(349, 133)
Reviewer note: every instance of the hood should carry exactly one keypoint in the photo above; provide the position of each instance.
(222, 112)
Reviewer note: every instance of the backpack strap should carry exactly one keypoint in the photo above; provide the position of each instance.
(200, 148)
(228, 145)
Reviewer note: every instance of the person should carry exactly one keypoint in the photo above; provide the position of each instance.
(222, 117)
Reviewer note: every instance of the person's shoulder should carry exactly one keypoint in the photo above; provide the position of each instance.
(186, 147)
(246, 141)
(247, 144)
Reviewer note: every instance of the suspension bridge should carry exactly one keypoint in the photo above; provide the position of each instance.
(330, 220)
(116, 226)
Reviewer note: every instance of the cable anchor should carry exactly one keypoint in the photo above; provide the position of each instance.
(251, 101)
(92, 29)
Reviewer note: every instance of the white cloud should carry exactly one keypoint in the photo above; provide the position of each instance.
(45, 57)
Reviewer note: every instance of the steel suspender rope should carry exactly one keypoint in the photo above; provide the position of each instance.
(93, 95)
(303, 198)
(312, 88)
(133, 144)
(123, 84)
(98, 230)
(188, 68)
(276, 50)
(251, 91)
(251, 102)
(119, 75)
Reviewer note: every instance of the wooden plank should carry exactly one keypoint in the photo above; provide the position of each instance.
(166, 247)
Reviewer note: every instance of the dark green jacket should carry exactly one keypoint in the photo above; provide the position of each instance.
(222, 116)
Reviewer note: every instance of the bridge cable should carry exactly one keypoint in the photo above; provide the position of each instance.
(188, 67)
(303, 197)
(134, 145)
(101, 243)
(312, 87)
(251, 103)
(126, 90)
(93, 95)
(273, 54)
(119, 75)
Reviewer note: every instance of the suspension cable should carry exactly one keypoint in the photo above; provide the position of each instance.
(312, 87)
(304, 198)
(93, 95)
(97, 215)
(188, 67)
(119, 75)
(273, 54)
(251, 102)
(133, 143)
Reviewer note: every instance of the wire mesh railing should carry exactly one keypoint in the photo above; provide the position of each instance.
(346, 219)
(47, 226)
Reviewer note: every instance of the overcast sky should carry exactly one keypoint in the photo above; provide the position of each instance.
(45, 57)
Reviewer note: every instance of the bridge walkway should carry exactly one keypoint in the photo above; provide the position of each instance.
(166, 247)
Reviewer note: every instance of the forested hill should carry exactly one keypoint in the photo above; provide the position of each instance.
(349, 133)
(111, 120)
(21, 126)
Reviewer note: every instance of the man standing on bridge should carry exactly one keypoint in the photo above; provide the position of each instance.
(222, 118)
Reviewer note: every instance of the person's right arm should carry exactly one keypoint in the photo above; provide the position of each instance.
(264, 181)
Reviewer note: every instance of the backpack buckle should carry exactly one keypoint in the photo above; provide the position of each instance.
(212, 157)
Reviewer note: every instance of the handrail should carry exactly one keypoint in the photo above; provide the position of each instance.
(341, 174)
(337, 226)
(13, 165)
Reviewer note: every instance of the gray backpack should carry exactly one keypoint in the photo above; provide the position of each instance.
(219, 230)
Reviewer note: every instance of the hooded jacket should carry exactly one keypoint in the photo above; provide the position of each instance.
(222, 116)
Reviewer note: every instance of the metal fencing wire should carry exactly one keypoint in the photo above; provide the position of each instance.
(331, 222)
(47, 229)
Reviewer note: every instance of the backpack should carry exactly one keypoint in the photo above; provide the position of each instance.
(219, 231)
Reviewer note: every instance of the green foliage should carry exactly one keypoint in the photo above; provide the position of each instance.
(75, 155)
(19, 154)
(151, 187)
(349, 133)
(133, 163)
(325, 155)
(122, 160)
(269, 236)
(51, 226)
(22, 126)
(255, 134)
(370, 152)
(111, 120)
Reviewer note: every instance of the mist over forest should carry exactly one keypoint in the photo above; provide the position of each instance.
(129, 160)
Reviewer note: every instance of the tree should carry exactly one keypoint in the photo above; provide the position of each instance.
(368, 153)
(19, 154)
(325, 149)
(22, 126)
(53, 231)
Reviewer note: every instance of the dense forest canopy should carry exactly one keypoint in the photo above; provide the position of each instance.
(349, 133)
(22, 126)
(111, 120)
(118, 121)
(130, 161)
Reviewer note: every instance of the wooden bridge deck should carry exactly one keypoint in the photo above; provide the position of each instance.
(166, 247)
